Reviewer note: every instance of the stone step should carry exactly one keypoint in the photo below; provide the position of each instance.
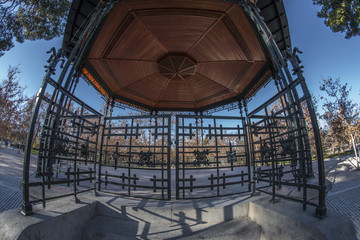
(200, 219)
(175, 213)
(106, 228)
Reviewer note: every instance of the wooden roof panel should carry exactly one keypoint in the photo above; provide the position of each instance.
(106, 74)
(114, 21)
(203, 88)
(81, 8)
(135, 97)
(239, 20)
(177, 32)
(151, 86)
(249, 76)
(224, 73)
(177, 105)
(177, 91)
(217, 98)
(206, 50)
(137, 34)
(129, 72)
(212, 5)
(217, 45)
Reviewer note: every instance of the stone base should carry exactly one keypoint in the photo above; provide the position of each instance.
(112, 217)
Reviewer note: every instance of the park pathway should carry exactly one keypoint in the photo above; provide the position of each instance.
(11, 164)
(345, 193)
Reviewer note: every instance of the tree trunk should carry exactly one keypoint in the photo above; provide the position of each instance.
(355, 150)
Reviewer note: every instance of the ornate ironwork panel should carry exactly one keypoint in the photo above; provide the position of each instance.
(135, 157)
(281, 154)
(68, 147)
(211, 156)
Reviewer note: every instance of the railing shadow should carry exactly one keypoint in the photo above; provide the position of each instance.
(169, 220)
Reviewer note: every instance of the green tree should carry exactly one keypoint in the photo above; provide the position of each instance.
(340, 113)
(341, 15)
(31, 20)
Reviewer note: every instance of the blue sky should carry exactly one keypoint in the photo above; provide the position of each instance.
(325, 54)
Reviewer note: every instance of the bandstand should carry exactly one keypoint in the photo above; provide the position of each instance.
(179, 64)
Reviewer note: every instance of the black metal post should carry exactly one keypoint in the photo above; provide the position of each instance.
(321, 208)
(102, 143)
(26, 206)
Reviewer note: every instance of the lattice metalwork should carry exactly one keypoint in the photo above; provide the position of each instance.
(288, 84)
(63, 89)
(136, 156)
(280, 147)
(211, 156)
(68, 146)
(267, 151)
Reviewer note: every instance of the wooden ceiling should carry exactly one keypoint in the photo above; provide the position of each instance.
(178, 54)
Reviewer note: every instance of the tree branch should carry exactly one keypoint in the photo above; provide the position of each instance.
(13, 6)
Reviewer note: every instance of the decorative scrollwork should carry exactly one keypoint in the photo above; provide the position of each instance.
(84, 151)
(293, 55)
(288, 147)
(62, 145)
(265, 151)
(116, 156)
(201, 158)
(145, 159)
(52, 53)
(231, 156)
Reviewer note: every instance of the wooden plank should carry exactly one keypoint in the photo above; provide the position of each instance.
(105, 74)
(240, 21)
(114, 21)
(176, 104)
(177, 90)
(137, 43)
(225, 73)
(203, 87)
(249, 76)
(178, 11)
(128, 72)
(116, 35)
(212, 5)
(177, 32)
(218, 45)
(151, 86)
(135, 97)
(215, 99)
(238, 38)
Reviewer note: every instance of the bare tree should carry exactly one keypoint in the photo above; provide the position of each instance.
(11, 101)
(340, 113)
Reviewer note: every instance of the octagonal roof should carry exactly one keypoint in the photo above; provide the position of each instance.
(179, 54)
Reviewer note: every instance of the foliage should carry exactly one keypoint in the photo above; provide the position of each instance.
(11, 99)
(309, 125)
(341, 15)
(40, 118)
(340, 113)
(19, 131)
(337, 154)
(31, 20)
(16, 109)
